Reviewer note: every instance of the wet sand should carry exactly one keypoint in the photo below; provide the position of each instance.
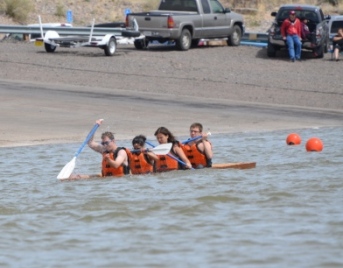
(56, 98)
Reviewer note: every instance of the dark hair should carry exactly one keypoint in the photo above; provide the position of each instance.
(140, 139)
(107, 134)
(165, 131)
(198, 125)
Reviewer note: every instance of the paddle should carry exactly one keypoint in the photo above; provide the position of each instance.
(195, 138)
(161, 149)
(69, 167)
(175, 158)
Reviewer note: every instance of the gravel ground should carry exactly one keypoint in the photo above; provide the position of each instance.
(221, 79)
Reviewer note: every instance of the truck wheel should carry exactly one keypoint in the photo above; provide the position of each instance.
(185, 40)
(235, 38)
(110, 48)
(49, 48)
(140, 43)
(271, 51)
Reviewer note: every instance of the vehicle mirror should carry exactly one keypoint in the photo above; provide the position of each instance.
(273, 14)
(227, 10)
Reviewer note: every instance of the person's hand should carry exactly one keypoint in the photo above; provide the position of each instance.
(189, 166)
(107, 157)
(284, 38)
(99, 121)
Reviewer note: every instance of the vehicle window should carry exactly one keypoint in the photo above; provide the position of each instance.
(216, 7)
(178, 5)
(335, 26)
(205, 6)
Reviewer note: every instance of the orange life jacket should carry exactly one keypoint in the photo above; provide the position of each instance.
(166, 163)
(139, 163)
(108, 170)
(196, 157)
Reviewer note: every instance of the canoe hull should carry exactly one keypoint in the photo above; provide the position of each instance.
(239, 165)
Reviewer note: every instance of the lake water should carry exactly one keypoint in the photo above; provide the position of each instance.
(286, 212)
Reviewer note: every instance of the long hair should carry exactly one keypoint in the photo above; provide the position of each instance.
(165, 131)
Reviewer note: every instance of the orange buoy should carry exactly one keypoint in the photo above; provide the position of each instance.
(314, 145)
(293, 139)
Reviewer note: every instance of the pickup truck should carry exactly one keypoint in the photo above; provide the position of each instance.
(186, 22)
(317, 25)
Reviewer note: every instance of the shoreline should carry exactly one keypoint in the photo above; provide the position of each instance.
(54, 98)
(72, 127)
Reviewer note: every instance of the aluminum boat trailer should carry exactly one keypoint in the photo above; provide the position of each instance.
(108, 42)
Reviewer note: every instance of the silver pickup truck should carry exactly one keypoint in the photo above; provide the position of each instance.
(186, 22)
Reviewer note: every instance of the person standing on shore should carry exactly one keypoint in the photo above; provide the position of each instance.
(291, 34)
(166, 162)
(338, 43)
(199, 151)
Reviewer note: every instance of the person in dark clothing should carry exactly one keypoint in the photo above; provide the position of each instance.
(338, 43)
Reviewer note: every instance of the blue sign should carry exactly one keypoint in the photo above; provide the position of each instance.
(69, 16)
(127, 11)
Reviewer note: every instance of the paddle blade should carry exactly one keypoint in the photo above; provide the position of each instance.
(161, 149)
(67, 170)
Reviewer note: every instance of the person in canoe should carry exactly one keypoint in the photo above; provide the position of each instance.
(141, 160)
(166, 162)
(114, 158)
(198, 149)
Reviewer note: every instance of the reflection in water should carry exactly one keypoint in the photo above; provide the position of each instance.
(286, 212)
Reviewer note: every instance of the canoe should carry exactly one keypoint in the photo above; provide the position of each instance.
(239, 165)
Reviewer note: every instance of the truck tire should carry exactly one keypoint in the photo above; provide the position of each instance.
(271, 51)
(185, 40)
(49, 48)
(111, 47)
(140, 43)
(235, 38)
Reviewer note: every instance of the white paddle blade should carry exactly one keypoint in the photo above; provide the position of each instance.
(67, 170)
(161, 149)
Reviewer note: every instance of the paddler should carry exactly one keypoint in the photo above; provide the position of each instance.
(173, 160)
(141, 160)
(114, 158)
(198, 149)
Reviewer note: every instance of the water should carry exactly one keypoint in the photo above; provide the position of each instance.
(287, 212)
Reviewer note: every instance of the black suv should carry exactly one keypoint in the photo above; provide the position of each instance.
(317, 24)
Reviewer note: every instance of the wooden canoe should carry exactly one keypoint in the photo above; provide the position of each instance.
(239, 165)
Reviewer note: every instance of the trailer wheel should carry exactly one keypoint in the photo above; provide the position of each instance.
(185, 40)
(110, 48)
(49, 48)
(236, 36)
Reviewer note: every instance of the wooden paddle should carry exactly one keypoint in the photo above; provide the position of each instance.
(69, 167)
(161, 149)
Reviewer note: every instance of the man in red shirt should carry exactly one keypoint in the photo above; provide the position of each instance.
(291, 33)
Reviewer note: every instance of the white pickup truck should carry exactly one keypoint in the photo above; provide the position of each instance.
(186, 22)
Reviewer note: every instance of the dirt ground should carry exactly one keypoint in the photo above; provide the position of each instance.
(56, 97)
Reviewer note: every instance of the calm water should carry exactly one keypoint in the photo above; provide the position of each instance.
(287, 212)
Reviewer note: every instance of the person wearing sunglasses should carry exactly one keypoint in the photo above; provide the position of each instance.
(291, 34)
(198, 151)
(114, 158)
(141, 160)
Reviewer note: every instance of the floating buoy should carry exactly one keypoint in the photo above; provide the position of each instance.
(293, 139)
(314, 145)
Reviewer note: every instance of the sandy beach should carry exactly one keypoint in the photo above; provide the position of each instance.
(56, 98)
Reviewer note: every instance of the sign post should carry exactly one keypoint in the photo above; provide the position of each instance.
(69, 16)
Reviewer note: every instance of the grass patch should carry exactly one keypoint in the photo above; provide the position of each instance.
(18, 10)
